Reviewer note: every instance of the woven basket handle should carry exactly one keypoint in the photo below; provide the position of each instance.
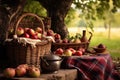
(29, 14)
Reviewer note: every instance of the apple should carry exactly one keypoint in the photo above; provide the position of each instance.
(57, 36)
(50, 32)
(82, 49)
(26, 29)
(73, 50)
(65, 40)
(78, 53)
(26, 35)
(58, 40)
(19, 31)
(38, 29)
(31, 32)
(9, 72)
(34, 36)
(20, 71)
(68, 52)
(59, 51)
(39, 35)
(33, 72)
(26, 66)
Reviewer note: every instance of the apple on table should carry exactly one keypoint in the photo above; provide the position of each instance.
(67, 52)
(34, 72)
(9, 72)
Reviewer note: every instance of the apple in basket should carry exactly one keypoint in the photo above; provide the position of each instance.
(65, 40)
(38, 29)
(57, 36)
(31, 32)
(50, 32)
(67, 52)
(20, 71)
(19, 31)
(26, 35)
(39, 35)
(33, 72)
(59, 51)
(9, 72)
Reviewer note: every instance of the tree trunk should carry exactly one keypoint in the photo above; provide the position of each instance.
(57, 10)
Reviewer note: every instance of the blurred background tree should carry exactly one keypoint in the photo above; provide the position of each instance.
(65, 12)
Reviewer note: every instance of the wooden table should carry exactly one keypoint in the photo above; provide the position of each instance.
(63, 74)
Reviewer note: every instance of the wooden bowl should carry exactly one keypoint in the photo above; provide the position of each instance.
(99, 50)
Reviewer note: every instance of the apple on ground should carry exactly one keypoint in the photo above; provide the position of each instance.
(9, 72)
(20, 71)
(67, 52)
(59, 51)
(34, 72)
(38, 29)
(78, 53)
(19, 31)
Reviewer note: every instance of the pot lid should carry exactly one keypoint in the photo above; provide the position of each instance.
(51, 57)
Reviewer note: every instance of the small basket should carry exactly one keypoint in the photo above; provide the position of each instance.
(19, 53)
(75, 46)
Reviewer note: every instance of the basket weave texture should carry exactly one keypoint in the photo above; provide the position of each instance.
(19, 53)
(75, 46)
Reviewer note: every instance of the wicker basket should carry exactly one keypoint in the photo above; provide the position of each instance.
(19, 53)
(75, 46)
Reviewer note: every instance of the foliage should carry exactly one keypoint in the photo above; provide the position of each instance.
(35, 7)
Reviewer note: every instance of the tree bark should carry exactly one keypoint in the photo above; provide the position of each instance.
(57, 10)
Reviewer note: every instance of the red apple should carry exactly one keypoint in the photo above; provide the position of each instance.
(19, 31)
(82, 49)
(9, 72)
(26, 29)
(78, 53)
(65, 40)
(24, 65)
(26, 35)
(57, 36)
(73, 50)
(38, 29)
(59, 51)
(31, 32)
(20, 71)
(68, 52)
(50, 32)
(34, 36)
(34, 72)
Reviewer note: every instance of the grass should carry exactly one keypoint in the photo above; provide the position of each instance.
(100, 35)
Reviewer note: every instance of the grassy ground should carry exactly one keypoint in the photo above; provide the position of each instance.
(100, 35)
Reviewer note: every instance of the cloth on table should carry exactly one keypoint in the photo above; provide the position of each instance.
(99, 67)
